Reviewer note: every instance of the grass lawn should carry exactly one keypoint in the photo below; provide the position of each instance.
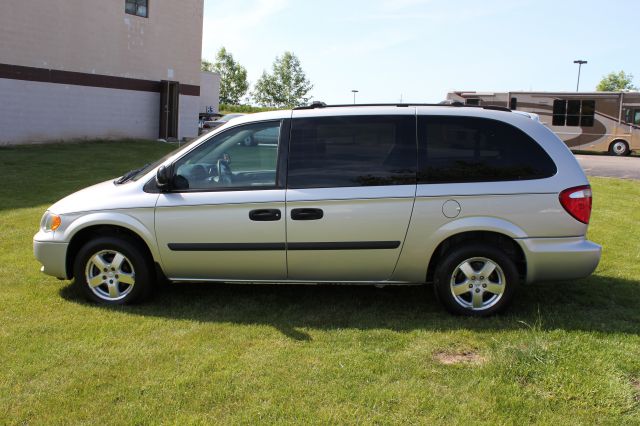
(566, 353)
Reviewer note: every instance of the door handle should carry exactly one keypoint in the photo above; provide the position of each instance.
(306, 214)
(265, 215)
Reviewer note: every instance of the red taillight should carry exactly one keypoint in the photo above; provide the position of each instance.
(577, 202)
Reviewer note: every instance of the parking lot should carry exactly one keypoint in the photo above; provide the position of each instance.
(609, 166)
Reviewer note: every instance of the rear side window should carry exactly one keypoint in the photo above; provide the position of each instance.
(471, 149)
(352, 151)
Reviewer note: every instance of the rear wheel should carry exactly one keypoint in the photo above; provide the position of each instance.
(476, 280)
(113, 271)
(619, 148)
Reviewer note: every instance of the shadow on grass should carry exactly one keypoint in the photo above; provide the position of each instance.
(598, 303)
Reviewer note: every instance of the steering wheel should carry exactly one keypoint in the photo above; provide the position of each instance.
(223, 165)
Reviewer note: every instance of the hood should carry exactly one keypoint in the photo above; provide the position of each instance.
(106, 196)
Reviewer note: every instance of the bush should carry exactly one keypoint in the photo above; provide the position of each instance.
(227, 109)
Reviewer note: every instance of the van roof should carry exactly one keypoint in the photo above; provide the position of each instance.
(318, 104)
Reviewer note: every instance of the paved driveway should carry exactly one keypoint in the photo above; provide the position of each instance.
(603, 165)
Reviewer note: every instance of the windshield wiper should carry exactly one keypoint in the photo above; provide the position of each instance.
(131, 173)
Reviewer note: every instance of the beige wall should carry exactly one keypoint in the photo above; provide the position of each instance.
(97, 36)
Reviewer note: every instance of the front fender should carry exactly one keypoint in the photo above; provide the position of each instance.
(139, 221)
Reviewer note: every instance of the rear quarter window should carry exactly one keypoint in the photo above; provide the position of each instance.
(472, 149)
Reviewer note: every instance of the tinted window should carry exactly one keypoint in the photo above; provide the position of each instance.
(587, 113)
(352, 151)
(469, 149)
(573, 112)
(513, 104)
(559, 112)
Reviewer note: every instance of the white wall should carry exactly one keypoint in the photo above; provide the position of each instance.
(33, 112)
(188, 116)
(209, 91)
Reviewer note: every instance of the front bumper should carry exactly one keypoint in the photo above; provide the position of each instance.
(53, 256)
(559, 258)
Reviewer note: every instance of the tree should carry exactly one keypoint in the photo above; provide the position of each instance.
(233, 77)
(616, 82)
(206, 65)
(287, 85)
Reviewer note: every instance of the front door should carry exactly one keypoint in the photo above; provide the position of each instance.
(350, 192)
(224, 219)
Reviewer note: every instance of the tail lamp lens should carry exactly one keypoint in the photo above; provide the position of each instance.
(577, 202)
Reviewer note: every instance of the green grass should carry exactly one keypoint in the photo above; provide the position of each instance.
(566, 353)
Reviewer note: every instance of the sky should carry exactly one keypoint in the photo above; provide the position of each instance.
(418, 50)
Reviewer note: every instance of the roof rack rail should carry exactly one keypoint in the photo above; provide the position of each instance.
(454, 104)
(495, 107)
(313, 105)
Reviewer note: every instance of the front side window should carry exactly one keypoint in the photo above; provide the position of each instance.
(242, 157)
(348, 151)
(470, 149)
(137, 7)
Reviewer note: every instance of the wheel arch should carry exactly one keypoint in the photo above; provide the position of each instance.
(80, 233)
(504, 242)
(619, 139)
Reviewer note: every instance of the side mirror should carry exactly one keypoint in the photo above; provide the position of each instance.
(163, 177)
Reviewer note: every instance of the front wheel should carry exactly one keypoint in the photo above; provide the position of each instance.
(619, 148)
(113, 271)
(477, 280)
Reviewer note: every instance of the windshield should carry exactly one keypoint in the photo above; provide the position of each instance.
(229, 117)
(147, 168)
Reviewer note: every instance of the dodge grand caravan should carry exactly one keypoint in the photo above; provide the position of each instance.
(474, 200)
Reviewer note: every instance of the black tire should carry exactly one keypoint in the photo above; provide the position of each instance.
(136, 264)
(619, 148)
(457, 256)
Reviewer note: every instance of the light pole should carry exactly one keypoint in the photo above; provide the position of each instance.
(354, 95)
(579, 62)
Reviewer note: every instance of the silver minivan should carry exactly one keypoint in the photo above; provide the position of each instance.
(472, 200)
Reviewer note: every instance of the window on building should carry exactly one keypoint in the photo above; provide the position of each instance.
(513, 104)
(352, 151)
(137, 7)
(573, 112)
(469, 149)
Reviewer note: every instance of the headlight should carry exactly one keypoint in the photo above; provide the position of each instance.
(50, 222)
